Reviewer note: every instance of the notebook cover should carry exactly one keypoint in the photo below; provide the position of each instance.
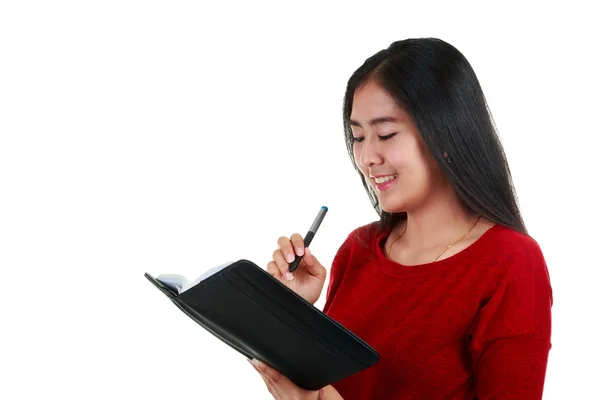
(255, 314)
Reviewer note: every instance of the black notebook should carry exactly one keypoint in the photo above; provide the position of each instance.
(257, 315)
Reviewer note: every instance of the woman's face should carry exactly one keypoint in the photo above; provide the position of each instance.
(389, 152)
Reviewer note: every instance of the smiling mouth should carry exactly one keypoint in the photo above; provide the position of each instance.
(383, 179)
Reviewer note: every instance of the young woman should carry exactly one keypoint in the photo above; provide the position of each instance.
(447, 286)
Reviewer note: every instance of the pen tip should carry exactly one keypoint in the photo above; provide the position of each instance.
(325, 208)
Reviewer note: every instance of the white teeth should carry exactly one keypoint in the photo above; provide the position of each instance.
(383, 179)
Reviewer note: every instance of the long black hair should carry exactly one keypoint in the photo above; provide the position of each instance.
(435, 84)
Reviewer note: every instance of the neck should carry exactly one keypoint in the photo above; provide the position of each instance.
(437, 223)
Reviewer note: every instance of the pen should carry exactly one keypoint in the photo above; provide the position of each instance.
(309, 236)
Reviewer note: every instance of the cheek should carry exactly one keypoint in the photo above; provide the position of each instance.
(400, 159)
(413, 169)
(423, 177)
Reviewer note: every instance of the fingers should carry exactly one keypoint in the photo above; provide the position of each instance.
(271, 386)
(288, 249)
(272, 378)
(271, 374)
(285, 255)
(273, 269)
(285, 246)
(279, 267)
(298, 244)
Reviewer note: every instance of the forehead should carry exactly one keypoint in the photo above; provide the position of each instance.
(371, 101)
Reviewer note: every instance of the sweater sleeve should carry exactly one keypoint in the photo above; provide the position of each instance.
(510, 339)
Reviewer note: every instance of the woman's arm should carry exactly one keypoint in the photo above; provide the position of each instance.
(511, 336)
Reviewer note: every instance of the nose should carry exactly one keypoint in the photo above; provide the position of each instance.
(369, 154)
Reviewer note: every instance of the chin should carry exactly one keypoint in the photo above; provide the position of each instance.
(395, 203)
(392, 207)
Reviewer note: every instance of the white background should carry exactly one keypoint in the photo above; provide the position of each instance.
(170, 136)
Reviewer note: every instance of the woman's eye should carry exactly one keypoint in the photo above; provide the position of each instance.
(386, 137)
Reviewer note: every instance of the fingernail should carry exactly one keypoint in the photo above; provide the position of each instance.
(289, 276)
(256, 362)
(290, 257)
(300, 251)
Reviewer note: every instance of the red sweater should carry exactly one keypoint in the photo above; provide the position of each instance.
(475, 325)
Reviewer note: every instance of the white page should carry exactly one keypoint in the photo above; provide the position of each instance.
(177, 282)
(180, 283)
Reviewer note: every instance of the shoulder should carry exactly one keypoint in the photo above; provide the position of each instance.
(519, 262)
(505, 260)
(511, 239)
(514, 247)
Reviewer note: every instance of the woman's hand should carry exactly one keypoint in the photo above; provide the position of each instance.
(280, 386)
(308, 280)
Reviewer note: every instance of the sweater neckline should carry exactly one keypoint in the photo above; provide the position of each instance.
(396, 268)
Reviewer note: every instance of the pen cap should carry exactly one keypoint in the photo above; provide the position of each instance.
(317, 222)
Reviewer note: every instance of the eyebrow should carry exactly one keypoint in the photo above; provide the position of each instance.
(376, 121)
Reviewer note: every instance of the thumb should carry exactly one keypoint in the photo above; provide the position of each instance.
(313, 266)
